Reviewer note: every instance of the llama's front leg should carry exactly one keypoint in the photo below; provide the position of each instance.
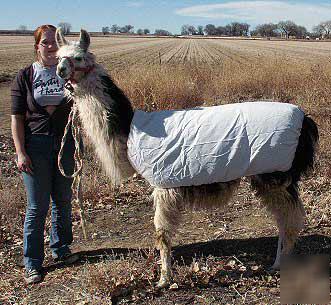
(164, 245)
(280, 223)
(290, 221)
(276, 265)
(166, 219)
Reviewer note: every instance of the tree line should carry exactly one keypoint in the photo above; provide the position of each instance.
(323, 29)
(286, 29)
(231, 29)
(289, 28)
(129, 29)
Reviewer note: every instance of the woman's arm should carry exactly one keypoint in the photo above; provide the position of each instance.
(23, 160)
(17, 127)
(18, 111)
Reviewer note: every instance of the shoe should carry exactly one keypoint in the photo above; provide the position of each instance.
(32, 276)
(67, 258)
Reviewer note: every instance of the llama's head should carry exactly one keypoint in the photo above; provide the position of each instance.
(74, 60)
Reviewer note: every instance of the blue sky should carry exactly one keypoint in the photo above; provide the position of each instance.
(170, 15)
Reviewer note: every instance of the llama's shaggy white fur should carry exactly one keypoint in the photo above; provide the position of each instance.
(94, 113)
(110, 150)
(98, 103)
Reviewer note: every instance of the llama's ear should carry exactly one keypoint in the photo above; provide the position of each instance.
(84, 40)
(59, 37)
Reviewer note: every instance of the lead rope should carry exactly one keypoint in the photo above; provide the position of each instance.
(78, 156)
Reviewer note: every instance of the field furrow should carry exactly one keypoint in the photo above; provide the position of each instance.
(120, 52)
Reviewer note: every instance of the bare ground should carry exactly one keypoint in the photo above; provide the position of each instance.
(219, 256)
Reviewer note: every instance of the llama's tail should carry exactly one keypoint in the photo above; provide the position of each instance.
(304, 158)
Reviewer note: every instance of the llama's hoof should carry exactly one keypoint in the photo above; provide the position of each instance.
(163, 283)
(274, 268)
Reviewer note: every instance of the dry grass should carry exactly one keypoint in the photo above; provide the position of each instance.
(173, 86)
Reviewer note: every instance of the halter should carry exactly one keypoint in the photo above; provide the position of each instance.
(74, 69)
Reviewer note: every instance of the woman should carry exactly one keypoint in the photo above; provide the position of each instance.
(39, 115)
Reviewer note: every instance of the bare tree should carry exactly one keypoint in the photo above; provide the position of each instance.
(301, 32)
(210, 29)
(235, 29)
(239, 29)
(22, 28)
(287, 27)
(228, 30)
(200, 30)
(115, 28)
(184, 29)
(222, 30)
(65, 26)
(323, 29)
(160, 32)
(266, 30)
(232, 29)
(188, 29)
(318, 30)
(244, 29)
(105, 30)
(327, 26)
(127, 29)
(192, 30)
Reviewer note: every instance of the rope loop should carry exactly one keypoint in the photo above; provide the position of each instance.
(78, 156)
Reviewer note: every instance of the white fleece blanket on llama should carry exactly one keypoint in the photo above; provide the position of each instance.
(213, 144)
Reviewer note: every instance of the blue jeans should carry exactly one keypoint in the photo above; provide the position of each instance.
(47, 183)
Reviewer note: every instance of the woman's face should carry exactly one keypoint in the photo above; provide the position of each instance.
(46, 49)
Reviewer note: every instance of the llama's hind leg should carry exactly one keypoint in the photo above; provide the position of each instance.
(282, 199)
(290, 218)
(281, 230)
(166, 204)
(276, 264)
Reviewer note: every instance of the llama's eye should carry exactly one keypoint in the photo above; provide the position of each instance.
(78, 58)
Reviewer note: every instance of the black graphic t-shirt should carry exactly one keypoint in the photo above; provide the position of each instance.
(48, 88)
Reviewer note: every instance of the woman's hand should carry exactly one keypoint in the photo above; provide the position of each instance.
(24, 163)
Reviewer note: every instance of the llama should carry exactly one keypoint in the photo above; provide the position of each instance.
(106, 115)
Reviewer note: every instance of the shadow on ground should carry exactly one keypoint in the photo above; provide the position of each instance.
(253, 248)
(260, 250)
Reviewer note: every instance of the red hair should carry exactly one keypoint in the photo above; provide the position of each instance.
(39, 31)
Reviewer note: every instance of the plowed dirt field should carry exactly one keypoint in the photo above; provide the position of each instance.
(116, 52)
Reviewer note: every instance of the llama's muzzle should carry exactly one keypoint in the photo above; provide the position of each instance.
(61, 72)
(64, 69)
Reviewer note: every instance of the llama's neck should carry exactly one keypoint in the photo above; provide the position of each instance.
(106, 115)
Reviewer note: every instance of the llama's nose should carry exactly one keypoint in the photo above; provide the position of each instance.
(61, 71)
